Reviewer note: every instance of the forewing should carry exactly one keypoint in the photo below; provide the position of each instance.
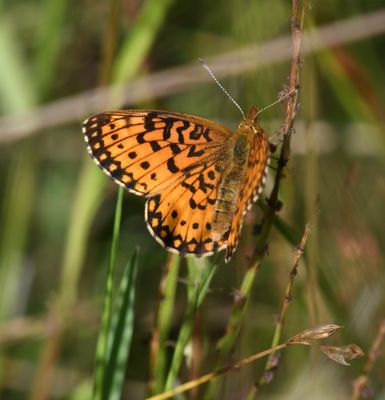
(251, 189)
(146, 151)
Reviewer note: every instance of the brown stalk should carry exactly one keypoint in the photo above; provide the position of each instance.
(272, 360)
(361, 383)
(227, 342)
(45, 325)
(307, 337)
(297, 23)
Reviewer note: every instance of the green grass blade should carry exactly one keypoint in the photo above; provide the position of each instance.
(120, 333)
(140, 39)
(102, 344)
(207, 275)
(49, 41)
(226, 344)
(17, 94)
(16, 213)
(165, 314)
(343, 87)
(17, 89)
(203, 272)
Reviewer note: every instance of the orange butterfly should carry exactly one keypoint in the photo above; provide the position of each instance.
(200, 178)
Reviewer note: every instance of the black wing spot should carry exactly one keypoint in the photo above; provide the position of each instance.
(183, 249)
(196, 133)
(180, 131)
(155, 146)
(117, 173)
(211, 175)
(120, 146)
(153, 176)
(188, 186)
(193, 204)
(145, 165)
(115, 136)
(195, 225)
(183, 222)
(98, 152)
(148, 122)
(193, 153)
(175, 148)
(167, 129)
(174, 213)
(132, 154)
(105, 119)
(206, 135)
(171, 165)
(140, 138)
(200, 249)
(203, 185)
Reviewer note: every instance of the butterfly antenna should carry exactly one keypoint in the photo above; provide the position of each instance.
(281, 98)
(204, 64)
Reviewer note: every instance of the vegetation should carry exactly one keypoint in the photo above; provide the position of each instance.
(81, 279)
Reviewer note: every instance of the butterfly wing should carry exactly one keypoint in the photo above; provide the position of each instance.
(251, 189)
(171, 158)
(146, 151)
(180, 218)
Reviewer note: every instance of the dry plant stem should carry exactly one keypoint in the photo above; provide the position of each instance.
(307, 337)
(271, 364)
(208, 377)
(226, 344)
(297, 23)
(46, 325)
(287, 127)
(48, 359)
(361, 382)
(284, 155)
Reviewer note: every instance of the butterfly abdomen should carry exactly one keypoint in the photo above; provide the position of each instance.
(226, 204)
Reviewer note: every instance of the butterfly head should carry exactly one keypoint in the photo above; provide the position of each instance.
(251, 123)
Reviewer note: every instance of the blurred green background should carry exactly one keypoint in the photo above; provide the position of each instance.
(57, 208)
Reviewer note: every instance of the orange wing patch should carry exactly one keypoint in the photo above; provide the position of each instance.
(147, 151)
(180, 218)
(180, 162)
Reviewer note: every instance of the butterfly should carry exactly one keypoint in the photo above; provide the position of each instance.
(199, 177)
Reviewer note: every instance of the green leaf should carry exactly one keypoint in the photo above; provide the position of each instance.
(200, 275)
(102, 356)
(120, 333)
